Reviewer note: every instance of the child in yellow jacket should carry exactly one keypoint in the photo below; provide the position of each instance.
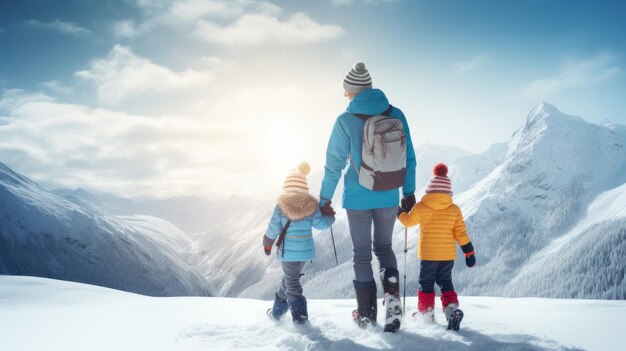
(441, 226)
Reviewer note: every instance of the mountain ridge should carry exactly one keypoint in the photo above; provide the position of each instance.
(43, 234)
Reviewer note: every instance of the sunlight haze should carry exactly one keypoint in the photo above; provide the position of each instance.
(166, 98)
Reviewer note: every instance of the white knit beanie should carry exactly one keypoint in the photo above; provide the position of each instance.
(357, 79)
(296, 179)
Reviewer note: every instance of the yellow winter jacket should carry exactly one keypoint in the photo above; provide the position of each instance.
(441, 223)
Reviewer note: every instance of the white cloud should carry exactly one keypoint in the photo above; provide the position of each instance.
(57, 87)
(124, 29)
(152, 4)
(14, 98)
(255, 135)
(575, 74)
(342, 2)
(250, 132)
(207, 124)
(191, 10)
(61, 26)
(250, 22)
(68, 145)
(122, 75)
(471, 64)
(260, 28)
(184, 13)
(375, 2)
(213, 63)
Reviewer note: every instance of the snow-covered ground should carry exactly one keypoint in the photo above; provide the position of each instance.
(43, 314)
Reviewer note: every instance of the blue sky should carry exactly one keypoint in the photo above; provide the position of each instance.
(157, 97)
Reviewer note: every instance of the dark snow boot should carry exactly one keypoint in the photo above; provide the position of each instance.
(454, 316)
(390, 278)
(299, 311)
(279, 309)
(450, 304)
(366, 311)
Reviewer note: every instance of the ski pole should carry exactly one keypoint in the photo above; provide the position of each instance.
(332, 236)
(405, 249)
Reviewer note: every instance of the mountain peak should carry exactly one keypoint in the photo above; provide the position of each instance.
(548, 107)
(544, 111)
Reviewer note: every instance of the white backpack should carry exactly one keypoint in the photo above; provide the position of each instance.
(383, 154)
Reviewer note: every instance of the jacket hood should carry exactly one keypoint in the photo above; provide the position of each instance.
(437, 201)
(369, 102)
(297, 205)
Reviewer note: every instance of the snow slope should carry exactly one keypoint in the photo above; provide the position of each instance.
(42, 234)
(595, 247)
(192, 214)
(42, 314)
(468, 170)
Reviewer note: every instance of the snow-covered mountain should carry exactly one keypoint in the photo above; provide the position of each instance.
(543, 220)
(43, 314)
(224, 240)
(42, 234)
(192, 214)
(467, 170)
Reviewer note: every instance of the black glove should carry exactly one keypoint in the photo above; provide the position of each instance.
(470, 259)
(326, 209)
(470, 256)
(407, 203)
(268, 250)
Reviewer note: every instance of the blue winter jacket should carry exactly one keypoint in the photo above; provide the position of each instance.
(346, 142)
(304, 212)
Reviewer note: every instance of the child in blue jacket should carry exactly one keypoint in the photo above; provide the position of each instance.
(296, 213)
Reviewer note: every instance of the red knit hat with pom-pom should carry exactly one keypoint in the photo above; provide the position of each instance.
(439, 182)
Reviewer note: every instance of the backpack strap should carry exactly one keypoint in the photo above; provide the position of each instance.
(364, 117)
(281, 237)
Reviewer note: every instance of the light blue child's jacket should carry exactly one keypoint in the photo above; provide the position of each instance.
(304, 212)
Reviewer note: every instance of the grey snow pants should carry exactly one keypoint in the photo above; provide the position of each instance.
(360, 223)
(290, 287)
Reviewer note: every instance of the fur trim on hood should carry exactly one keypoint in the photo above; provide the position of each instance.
(297, 205)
